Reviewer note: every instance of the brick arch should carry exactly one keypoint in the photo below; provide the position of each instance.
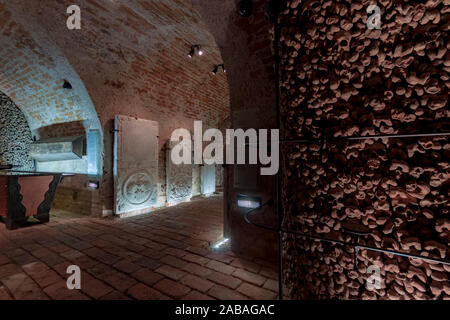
(32, 73)
(127, 53)
(132, 59)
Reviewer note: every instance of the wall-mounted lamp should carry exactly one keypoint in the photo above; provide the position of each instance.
(195, 48)
(216, 68)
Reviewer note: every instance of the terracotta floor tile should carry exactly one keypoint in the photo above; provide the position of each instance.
(162, 255)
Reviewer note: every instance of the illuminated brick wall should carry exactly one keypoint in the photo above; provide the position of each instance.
(33, 77)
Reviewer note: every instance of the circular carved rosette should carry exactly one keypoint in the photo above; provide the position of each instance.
(138, 188)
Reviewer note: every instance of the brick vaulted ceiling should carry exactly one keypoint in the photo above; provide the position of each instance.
(130, 57)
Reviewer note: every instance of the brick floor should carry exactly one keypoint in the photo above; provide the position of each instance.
(162, 255)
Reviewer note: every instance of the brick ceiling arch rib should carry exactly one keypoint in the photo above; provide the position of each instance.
(132, 57)
(32, 73)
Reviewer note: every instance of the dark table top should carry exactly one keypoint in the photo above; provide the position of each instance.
(26, 173)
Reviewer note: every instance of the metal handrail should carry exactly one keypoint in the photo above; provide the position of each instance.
(356, 246)
(344, 243)
(351, 138)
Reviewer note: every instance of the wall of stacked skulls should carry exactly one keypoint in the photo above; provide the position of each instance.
(15, 136)
(341, 79)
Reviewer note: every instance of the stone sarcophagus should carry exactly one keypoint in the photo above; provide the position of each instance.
(26, 195)
(58, 149)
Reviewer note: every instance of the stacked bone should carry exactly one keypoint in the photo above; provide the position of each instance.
(365, 81)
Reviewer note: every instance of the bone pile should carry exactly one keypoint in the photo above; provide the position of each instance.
(340, 78)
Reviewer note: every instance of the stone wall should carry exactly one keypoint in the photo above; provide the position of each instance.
(73, 200)
(341, 79)
(15, 136)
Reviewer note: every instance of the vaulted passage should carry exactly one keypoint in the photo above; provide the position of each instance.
(15, 135)
(241, 149)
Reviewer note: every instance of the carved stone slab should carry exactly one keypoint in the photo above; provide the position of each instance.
(179, 178)
(135, 165)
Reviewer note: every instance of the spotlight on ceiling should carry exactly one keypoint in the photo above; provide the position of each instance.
(245, 8)
(216, 69)
(195, 48)
(67, 85)
(191, 53)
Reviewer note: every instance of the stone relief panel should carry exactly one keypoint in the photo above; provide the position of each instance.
(179, 178)
(135, 165)
(136, 190)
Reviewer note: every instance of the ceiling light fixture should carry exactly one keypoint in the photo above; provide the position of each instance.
(195, 48)
(216, 68)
